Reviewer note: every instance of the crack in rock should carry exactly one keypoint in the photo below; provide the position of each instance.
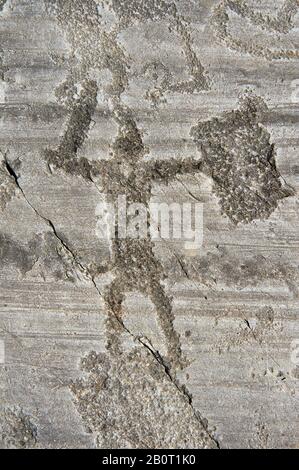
(237, 154)
(7, 182)
(66, 253)
(146, 404)
(133, 262)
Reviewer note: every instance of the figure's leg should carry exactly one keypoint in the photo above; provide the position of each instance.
(165, 314)
(114, 299)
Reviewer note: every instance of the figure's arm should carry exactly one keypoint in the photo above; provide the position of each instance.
(81, 110)
(169, 169)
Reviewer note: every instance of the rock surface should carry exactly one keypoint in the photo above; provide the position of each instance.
(125, 342)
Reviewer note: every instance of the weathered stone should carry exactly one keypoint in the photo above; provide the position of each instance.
(111, 341)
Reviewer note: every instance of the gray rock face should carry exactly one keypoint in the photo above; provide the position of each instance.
(111, 338)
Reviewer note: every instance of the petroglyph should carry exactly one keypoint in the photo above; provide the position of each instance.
(281, 24)
(128, 401)
(132, 12)
(98, 102)
(133, 261)
(81, 112)
(239, 157)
